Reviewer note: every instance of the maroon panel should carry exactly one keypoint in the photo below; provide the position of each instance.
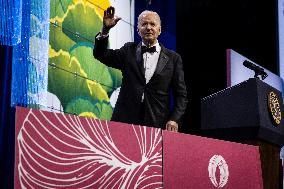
(198, 162)
(55, 150)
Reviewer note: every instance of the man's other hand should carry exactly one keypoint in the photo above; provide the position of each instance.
(172, 126)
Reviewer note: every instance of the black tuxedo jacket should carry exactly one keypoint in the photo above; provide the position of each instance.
(168, 76)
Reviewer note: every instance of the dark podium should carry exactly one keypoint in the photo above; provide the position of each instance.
(251, 113)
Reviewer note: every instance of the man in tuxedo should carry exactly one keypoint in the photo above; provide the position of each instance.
(150, 73)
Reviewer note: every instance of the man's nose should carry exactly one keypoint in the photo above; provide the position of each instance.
(148, 26)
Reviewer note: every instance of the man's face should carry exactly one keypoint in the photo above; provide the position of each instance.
(149, 28)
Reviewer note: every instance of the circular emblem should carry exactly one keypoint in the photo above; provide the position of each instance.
(274, 107)
(214, 162)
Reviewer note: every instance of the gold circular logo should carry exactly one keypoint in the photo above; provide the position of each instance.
(274, 107)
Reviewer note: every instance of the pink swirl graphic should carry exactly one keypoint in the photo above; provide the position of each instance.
(64, 151)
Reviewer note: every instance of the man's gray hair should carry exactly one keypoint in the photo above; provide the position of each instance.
(151, 12)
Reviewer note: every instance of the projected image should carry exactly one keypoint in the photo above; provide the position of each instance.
(237, 72)
(281, 36)
(77, 82)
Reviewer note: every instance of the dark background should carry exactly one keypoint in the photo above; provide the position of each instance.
(206, 28)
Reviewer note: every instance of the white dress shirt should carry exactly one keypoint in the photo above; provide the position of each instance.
(150, 61)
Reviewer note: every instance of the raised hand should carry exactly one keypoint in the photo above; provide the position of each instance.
(109, 20)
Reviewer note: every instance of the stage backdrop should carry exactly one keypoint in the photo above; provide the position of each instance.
(77, 82)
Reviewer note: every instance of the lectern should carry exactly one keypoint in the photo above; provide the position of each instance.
(252, 113)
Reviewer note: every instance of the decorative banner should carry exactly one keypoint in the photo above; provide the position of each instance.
(10, 22)
(198, 162)
(30, 57)
(54, 150)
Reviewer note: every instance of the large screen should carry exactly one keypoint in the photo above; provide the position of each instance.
(281, 36)
(77, 82)
(237, 72)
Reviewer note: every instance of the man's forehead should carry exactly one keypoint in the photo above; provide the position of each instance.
(149, 15)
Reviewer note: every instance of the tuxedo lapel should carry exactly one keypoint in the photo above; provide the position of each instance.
(139, 60)
(163, 60)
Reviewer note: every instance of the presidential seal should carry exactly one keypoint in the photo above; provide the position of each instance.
(274, 108)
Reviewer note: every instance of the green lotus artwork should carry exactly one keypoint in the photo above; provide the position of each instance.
(82, 84)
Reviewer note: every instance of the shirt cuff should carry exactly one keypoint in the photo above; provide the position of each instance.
(101, 36)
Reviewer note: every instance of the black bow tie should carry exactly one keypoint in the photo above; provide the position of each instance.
(146, 49)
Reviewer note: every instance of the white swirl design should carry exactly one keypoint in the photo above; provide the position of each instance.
(66, 151)
(214, 162)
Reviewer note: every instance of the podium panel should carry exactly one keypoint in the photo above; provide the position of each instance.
(199, 162)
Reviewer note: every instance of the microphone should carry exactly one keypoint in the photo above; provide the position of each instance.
(257, 70)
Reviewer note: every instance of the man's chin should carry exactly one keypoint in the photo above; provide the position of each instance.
(148, 37)
(148, 41)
